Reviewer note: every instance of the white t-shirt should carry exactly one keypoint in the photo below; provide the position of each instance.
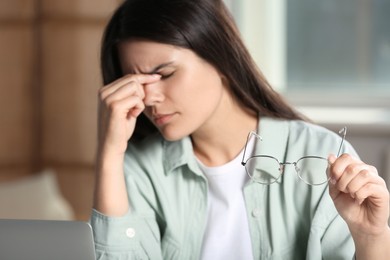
(227, 232)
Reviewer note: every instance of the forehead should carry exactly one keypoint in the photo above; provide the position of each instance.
(142, 55)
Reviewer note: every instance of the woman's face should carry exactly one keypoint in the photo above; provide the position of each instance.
(190, 95)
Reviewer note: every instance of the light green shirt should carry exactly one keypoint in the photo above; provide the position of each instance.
(168, 195)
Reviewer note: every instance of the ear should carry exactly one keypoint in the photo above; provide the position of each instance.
(224, 79)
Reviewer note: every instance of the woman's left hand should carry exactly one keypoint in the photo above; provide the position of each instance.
(359, 194)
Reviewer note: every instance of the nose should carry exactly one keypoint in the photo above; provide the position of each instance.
(153, 94)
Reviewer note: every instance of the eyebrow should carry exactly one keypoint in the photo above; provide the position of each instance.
(157, 68)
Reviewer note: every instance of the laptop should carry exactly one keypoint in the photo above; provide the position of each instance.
(45, 240)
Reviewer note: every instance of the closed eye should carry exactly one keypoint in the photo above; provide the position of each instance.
(165, 76)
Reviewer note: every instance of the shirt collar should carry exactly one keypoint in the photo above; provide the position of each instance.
(274, 133)
(179, 153)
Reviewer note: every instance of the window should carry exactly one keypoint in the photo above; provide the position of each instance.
(338, 44)
(305, 47)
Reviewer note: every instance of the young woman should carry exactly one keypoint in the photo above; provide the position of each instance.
(181, 96)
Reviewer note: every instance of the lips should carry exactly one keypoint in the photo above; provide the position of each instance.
(162, 119)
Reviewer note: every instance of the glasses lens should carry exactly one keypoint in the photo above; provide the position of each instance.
(264, 170)
(312, 170)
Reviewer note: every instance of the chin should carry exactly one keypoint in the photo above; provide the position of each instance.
(172, 135)
(173, 138)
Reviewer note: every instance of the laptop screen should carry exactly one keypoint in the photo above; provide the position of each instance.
(45, 239)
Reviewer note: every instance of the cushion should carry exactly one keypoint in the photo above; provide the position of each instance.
(34, 197)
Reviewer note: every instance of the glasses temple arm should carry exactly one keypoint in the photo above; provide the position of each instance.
(246, 144)
(342, 132)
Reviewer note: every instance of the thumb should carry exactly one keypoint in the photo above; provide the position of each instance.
(333, 191)
(331, 158)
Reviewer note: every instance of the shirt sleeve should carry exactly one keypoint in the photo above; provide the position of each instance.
(126, 237)
(137, 234)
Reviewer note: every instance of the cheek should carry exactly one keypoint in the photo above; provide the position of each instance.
(209, 90)
(203, 100)
(196, 89)
(179, 90)
(199, 86)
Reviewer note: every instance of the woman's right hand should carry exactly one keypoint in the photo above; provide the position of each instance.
(120, 103)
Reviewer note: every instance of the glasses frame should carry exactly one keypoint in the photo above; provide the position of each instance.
(342, 133)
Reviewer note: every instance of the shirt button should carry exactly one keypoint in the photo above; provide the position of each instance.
(130, 232)
(256, 213)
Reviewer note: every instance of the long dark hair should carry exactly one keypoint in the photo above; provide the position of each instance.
(207, 28)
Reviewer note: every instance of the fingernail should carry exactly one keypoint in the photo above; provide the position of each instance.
(333, 181)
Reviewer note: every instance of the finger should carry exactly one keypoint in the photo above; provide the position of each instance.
(360, 186)
(137, 109)
(375, 192)
(127, 107)
(338, 165)
(333, 191)
(130, 89)
(141, 78)
(130, 78)
(331, 159)
(351, 172)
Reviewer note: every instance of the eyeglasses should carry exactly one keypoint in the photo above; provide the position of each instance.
(266, 169)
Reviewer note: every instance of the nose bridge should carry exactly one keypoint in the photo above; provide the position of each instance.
(282, 165)
(153, 94)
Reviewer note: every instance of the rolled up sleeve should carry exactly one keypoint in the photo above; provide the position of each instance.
(126, 237)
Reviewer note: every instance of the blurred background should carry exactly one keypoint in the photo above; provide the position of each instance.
(49, 74)
(331, 59)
